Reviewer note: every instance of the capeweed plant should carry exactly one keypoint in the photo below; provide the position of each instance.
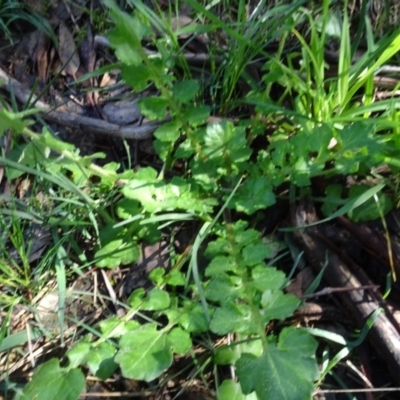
(143, 347)
(252, 292)
(238, 294)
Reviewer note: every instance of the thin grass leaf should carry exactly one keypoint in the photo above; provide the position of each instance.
(349, 206)
(129, 220)
(61, 255)
(58, 179)
(19, 339)
(173, 217)
(317, 280)
(30, 216)
(379, 106)
(349, 345)
(293, 269)
(344, 60)
(390, 47)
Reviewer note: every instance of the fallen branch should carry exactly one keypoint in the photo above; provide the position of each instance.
(72, 120)
(360, 302)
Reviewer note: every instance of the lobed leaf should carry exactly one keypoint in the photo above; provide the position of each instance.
(231, 318)
(156, 299)
(127, 35)
(101, 360)
(255, 194)
(278, 305)
(50, 382)
(230, 390)
(144, 353)
(284, 371)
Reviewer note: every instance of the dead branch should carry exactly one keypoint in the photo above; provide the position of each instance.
(361, 303)
(71, 120)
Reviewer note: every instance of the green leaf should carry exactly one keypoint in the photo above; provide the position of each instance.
(225, 355)
(28, 155)
(197, 115)
(117, 252)
(160, 196)
(168, 132)
(350, 205)
(284, 371)
(358, 143)
(154, 107)
(101, 360)
(78, 354)
(184, 150)
(217, 247)
(372, 208)
(156, 299)
(144, 353)
(255, 253)
(333, 199)
(318, 139)
(114, 327)
(127, 35)
(173, 313)
(78, 168)
(175, 278)
(162, 148)
(230, 390)
(345, 60)
(301, 172)
(278, 305)
(222, 288)
(179, 340)
(392, 45)
(11, 120)
(126, 208)
(185, 91)
(51, 382)
(136, 76)
(220, 264)
(48, 139)
(232, 318)
(267, 278)
(243, 236)
(147, 174)
(135, 299)
(255, 194)
(226, 145)
(157, 275)
(228, 355)
(359, 136)
(193, 318)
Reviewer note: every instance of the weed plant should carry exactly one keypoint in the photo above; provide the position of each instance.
(323, 125)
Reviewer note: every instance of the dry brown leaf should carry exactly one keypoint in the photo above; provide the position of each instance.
(31, 43)
(301, 283)
(106, 79)
(42, 57)
(88, 57)
(67, 50)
